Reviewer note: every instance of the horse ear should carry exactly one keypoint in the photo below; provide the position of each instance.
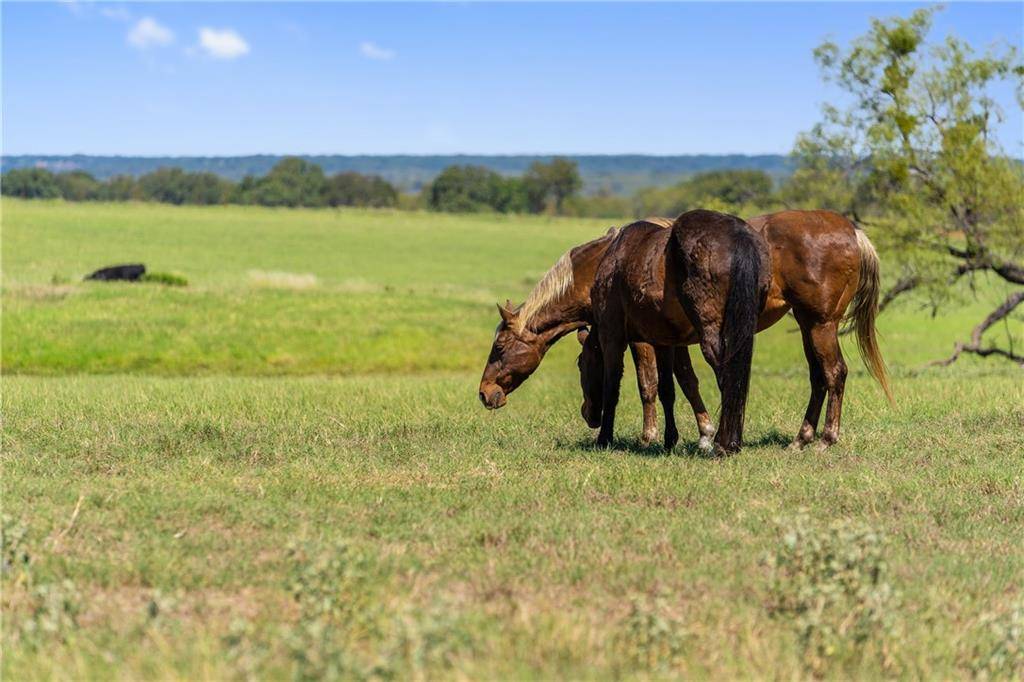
(582, 334)
(506, 313)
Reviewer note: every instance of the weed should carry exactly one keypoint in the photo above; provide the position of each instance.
(15, 557)
(833, 583)
(651, 638)
(166, 278)
(53, 614)
(1001, 653)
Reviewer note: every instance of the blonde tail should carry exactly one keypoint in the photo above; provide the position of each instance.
(864, 310)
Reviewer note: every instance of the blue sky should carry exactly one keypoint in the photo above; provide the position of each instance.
(241, 78)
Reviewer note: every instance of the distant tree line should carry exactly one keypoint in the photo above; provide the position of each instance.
(292, 182)
(551, 187)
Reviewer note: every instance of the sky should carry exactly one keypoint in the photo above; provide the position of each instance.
(345, 78)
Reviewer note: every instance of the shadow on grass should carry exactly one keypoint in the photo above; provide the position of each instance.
(685, 448)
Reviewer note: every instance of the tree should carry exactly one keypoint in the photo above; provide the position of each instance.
(914, 156)
(78, 186)
(466, 189)
(551, 182)
(30, 183)
(355, 189)
(729, 190)
(291, 182)
(175, 186)
(118, 188)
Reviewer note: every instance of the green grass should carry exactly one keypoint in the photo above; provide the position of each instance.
(220, 440)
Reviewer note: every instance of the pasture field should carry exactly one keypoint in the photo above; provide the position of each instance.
(282, 471)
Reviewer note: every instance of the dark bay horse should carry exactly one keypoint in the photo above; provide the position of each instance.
(818, 259)
(559, 304)
(704, 280)
(820, 265)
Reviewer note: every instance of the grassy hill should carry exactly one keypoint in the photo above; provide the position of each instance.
(282, 471)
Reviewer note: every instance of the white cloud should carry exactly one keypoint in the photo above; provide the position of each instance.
(374, 51)
(73, 6)
(148, 33)
(222, 43)
(116, 13)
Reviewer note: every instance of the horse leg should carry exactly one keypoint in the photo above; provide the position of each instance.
(612, 350)
(647, 381)
(667, 393)
(818, 386)
(825, 338)
(688, 381)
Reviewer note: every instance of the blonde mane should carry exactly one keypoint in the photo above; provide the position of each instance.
(551, 286)
(660, 222)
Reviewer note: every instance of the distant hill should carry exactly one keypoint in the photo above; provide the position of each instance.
(617, 174)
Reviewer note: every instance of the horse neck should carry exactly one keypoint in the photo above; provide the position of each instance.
(574, 305)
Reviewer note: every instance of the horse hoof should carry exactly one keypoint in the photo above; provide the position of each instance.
(705, 444)
(796, 446)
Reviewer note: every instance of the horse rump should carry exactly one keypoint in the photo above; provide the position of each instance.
(742, 268)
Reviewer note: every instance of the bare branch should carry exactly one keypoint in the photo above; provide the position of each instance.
(975, 347)
(904, 285)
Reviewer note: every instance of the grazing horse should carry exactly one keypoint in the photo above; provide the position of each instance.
(559, 304)
(703, 280)
(820, 265)
(818, 259)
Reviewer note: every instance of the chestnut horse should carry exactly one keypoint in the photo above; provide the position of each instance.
(820, 264)
(818, 259)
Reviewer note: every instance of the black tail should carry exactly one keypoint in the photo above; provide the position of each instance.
(749, 274)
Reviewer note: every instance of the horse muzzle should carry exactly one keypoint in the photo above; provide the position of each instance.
(492, 397)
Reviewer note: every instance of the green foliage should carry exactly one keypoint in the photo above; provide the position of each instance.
(913, 154)
(78, 186)
(344, 630)
(175, 186)
(166, 278)
(119, 188)
(53, 610)
(1000, 655)
(354, 189)
(550, 184)
(833, 584)
(471, 189)
(731, 190)
(601, 205)
(30, 183)
(652, 638)
(15, 555)
(291, 182)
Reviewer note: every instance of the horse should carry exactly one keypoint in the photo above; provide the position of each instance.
(704, 280)
(821, 264)
(818, 258)
(558, 305)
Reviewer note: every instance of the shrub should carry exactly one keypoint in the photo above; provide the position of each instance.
(78, 186)
(165, 278)
(29, 183)
(651, 638)
(291, 182)
(832, 583)
(175, 186)
(1001, 653)
(469, 189)
(355, 189)
(344, 628)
